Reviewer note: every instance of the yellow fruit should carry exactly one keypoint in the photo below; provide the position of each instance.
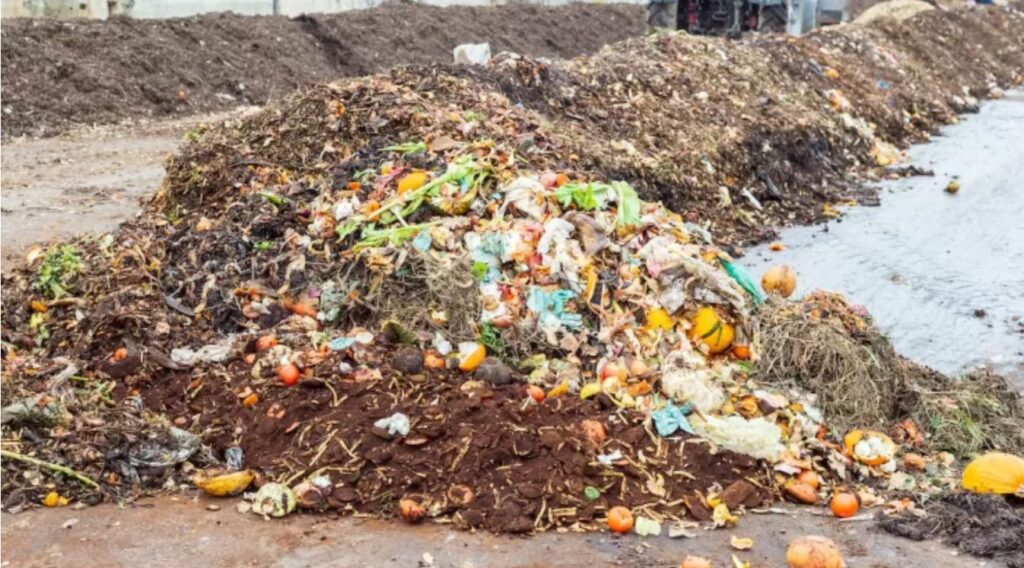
(709, 329)
(589, 390)
(412, 181)
(879, 450)
(658, 318)
(995, 472)
(225, 485)
(54, 499)
(779, 280)
(471, 357)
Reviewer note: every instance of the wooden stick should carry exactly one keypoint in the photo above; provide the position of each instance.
(51, 466)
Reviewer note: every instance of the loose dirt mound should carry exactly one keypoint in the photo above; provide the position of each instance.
(60, 73)
(898, 10)
(981, 525)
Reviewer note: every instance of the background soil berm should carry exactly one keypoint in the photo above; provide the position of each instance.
(61, 73)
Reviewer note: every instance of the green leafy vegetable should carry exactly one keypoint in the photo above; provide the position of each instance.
(394, 236)
(586, 196)
(490, 337)
(479, 270)
(59, 268)
(629, 204)
(408, 148)
(274, 198)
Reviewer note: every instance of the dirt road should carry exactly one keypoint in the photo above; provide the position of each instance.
(86, 181)
(158, 534)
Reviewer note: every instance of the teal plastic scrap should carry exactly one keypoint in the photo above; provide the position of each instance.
(550, 308)
(671, 419)
(743, 278)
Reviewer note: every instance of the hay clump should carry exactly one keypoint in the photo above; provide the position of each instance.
(827, 347)
(972, 414)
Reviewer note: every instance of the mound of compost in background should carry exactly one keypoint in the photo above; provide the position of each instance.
(61, 73)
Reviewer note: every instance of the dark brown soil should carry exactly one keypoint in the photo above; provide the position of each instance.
(59, 73)
(481, 455)
(981, 525)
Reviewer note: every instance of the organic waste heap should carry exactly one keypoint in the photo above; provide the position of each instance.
(406, 294)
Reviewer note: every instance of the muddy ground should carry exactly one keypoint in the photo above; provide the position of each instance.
(112, 537)
(94, 177)
(59, 73)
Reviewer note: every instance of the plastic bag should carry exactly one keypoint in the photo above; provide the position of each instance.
(757, 438)
(472, 54)
(694, 387)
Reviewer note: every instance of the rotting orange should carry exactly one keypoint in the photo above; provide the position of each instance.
(620, 520)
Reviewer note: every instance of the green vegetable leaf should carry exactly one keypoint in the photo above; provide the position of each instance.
(273, 198)
(629, 204)
(490, 337)
(58, 270)
(480, 270)
(408, 147)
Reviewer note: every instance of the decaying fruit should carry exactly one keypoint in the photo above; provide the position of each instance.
(274, 500)
(695, 562)
(869, 447)
(741, 352)
(814, 552)
(658, 318)
(536, 393)
(810, 478)
(471, 355)
(288, 374)
(710, 330)
(412, 181)
(594, 432)
(620, 520)
(225, 485)
(995, 472)
(411, 511)
(801, 492)
(265, 342)
(614, 370)
(844, 504)
(779, 280)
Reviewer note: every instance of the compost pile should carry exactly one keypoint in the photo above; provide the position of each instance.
(413, 288)
(59, 74)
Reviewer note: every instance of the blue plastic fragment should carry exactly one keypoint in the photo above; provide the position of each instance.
(672, 418)
(550, 308)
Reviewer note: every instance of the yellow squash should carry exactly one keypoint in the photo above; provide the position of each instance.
(225, 485)
(995, 472)
(710, 330)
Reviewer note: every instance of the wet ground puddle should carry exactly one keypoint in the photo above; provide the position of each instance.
(942, 274)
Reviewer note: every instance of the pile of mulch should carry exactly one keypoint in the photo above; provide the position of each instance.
(990, 526)
(60, 73)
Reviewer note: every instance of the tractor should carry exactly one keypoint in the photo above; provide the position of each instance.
(733, 17)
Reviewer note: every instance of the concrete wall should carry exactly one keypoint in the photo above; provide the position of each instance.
(101, 9)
